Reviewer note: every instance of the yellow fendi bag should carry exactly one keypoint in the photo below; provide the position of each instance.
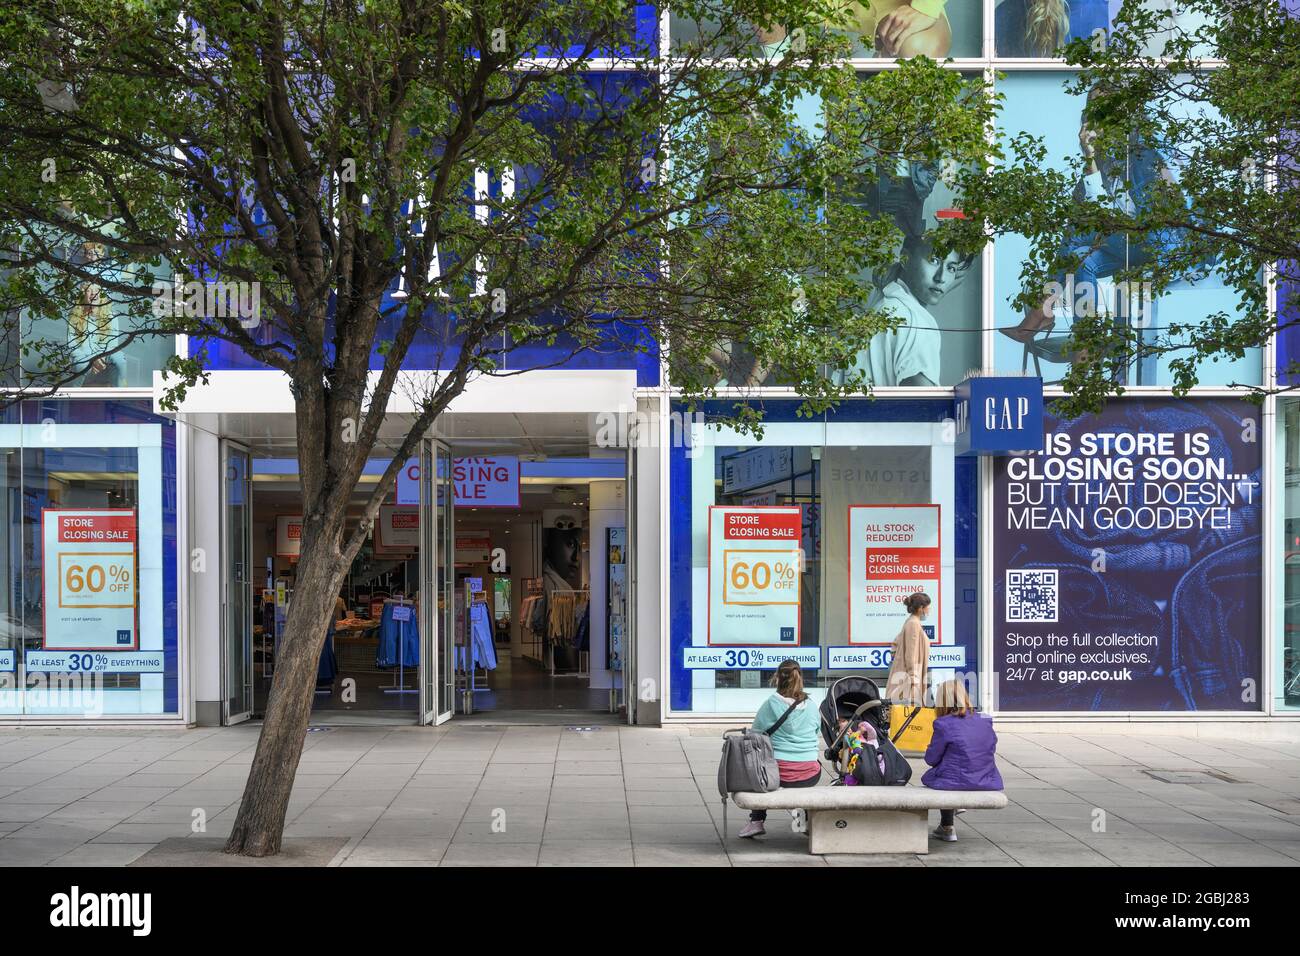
(910, 728)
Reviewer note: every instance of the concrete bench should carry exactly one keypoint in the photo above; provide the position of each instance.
(870, 819)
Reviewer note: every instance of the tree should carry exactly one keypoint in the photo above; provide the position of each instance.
(1208, 151)
(303, 159)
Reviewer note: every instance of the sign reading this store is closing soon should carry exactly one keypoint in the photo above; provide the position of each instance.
(755, 556)
(1128, 561)
(89, 569)
(893, 553)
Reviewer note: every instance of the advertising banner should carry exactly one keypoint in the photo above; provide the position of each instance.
(89, 570)
(749, 658)
(473, 547)
(486, 482)
(754, 568)
(894, 552)
(877, 658)
(756, 467)
(288, 536)
(408, 483)
(477, 482)
(398, 529)
(1127, 561)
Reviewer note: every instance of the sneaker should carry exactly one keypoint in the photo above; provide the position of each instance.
(946, 834)
(752, 829)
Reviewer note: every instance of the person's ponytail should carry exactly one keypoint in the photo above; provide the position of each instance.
(789, 681)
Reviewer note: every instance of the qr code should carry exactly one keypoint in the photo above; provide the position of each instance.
(1032, 596)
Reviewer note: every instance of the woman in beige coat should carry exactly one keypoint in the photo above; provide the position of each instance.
(907, 673)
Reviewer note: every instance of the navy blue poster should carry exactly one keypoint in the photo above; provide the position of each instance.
(1127, 561)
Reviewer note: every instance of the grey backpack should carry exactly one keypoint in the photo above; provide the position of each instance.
(748, 764)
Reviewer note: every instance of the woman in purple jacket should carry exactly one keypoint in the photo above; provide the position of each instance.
(961, 751)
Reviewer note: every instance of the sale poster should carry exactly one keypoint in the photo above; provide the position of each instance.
(1129, 561)
(894, 551)
(755, 556)
(89, 568)
(398, 529)
(476, 482)
(288, 536)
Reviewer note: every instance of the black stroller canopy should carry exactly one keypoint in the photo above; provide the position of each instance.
(845, 698)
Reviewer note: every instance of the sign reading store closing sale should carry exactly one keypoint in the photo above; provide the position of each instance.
(755, 557)
(89, 568)
(893, 553)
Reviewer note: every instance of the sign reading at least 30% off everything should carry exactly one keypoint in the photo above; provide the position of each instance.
(755, 558)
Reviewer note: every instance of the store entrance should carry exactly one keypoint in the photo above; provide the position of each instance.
(387, 655)
(541, 612)
(494, 584)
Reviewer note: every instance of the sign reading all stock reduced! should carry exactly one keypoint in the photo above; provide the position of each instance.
(89, 572)
(893, 553)
(754, 565)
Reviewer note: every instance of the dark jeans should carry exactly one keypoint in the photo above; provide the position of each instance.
(947, 818)
(810, 782)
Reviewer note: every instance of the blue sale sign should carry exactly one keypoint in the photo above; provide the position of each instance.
(1127, 561)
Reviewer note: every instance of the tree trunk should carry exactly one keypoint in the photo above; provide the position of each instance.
(259, 826)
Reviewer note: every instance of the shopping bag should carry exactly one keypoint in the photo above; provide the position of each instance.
(911, 727)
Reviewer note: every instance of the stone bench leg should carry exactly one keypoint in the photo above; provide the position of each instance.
(869, 831)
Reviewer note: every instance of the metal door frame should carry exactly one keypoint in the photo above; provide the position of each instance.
(433, 623)
(227, 446)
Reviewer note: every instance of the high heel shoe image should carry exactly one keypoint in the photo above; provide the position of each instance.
(1035, 321)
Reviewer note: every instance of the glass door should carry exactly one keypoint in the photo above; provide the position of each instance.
(437, 577)
(237, 584)
(629, 686)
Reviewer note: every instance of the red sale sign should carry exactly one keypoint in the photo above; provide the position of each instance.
(89, 570)
(397, 530)
(755, 563)
(894, 551)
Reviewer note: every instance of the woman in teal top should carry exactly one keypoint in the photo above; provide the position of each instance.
(794, 743)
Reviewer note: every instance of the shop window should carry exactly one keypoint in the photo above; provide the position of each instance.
(1288, 656)
(89, 562)
(937, 299)
(1107, 280)
(86, 335)
(935, 28)
(791, 546)
(1040, 28)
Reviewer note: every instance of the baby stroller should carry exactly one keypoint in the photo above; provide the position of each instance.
(855, 699)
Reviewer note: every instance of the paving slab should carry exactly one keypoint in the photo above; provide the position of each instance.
(643, 796)
(207, 851)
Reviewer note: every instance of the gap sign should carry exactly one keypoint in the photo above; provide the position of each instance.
(999, 415)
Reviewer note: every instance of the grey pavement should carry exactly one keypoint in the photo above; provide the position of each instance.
(482, 795)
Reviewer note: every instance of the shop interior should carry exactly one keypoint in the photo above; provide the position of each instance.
(540, 598)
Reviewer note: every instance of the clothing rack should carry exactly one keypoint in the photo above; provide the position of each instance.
(468, 669)
(399, 678)
(581, 598)
(533, 642)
